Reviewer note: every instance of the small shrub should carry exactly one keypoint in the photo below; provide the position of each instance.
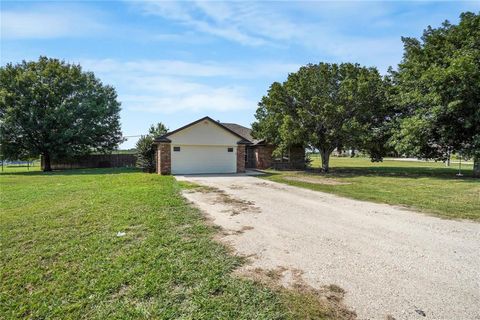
(146, 154)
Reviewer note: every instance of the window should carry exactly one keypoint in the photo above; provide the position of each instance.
(176, 148)
(230, 149)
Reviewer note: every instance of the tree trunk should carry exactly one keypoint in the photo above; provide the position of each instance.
(476, 166)
(325, 155)
(46, 163)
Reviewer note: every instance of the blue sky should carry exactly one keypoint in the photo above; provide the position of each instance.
(175, 62)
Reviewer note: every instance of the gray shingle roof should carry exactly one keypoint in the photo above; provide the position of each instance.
(245, 132)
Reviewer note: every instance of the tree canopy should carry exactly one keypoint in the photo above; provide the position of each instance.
(157, 130)
(325, 106)
(54, 109)
(428, 108)
(438, 83)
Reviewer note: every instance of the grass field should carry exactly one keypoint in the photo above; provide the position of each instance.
(425, 186)
(63, 256)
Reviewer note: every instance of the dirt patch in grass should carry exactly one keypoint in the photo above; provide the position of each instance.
(223, 197)
(269, 185)
(121, 292)
(236, 206)
(236, 232)
(315, 179)
(236, 187)
(302, 300)
(198, 188)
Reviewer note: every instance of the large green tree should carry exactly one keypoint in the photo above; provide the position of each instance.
(54, 109)
(438, 83)
(326, 106)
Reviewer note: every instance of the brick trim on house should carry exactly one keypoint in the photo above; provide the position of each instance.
(240, 158)
(263, 156)
(265, 160)
(164, 158)
(297, 158)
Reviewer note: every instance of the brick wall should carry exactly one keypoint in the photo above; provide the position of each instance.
(297, 158)
(263, 157)
(164, 159)
(240, 158)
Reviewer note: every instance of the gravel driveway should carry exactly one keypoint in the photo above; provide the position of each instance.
(390, 261)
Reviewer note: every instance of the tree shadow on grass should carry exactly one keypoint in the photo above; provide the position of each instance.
(73, 172)
(390, 172)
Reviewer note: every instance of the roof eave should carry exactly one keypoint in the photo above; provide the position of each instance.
(162, 139)
(244, 141)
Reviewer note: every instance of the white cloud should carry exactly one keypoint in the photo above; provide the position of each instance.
(335, 31)
(160, 66)
(174, 86)
(204, 98)
(48, 22)
(180, 68)
(240, 22)
(273, 23)
(327, 28)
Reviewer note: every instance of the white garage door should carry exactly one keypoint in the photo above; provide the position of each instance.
(203, 159)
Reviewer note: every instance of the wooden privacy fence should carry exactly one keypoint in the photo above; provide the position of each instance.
(94, 161)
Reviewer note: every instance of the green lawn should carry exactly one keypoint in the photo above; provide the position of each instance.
(61, 256)
(20, 168)
(425, 186)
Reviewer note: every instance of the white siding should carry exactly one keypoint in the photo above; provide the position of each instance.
(204, 149)
(204, 133)
(204, 159)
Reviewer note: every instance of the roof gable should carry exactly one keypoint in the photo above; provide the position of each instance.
(169, 136)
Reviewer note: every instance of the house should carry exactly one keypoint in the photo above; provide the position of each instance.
(209, 146)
